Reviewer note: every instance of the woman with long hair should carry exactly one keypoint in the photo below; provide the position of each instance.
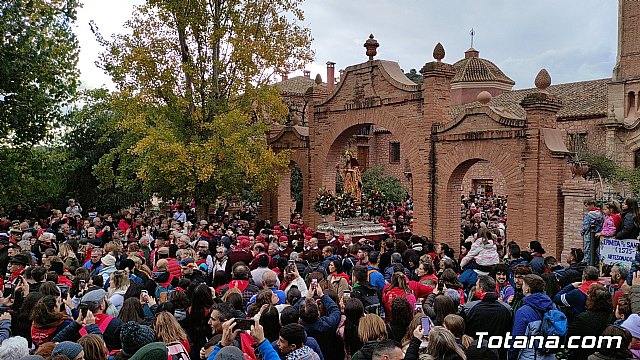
(21, 326)
(401, 315)
(132, 310)
(270, 321)
(171, 333)
(348, 331)
(449, 278)
(337, 279)
(630, 220)
(442, 306)
(196, 322)
(399, 287)
(47, 320)
(118, 284)
(264, 297)
(371, 330)
(442, 345)
(455, 324)
(406, 340)
(94, 347)
(592, 322)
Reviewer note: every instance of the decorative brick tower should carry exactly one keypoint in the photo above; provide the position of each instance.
(544, 168)
(624, 89)
(436, 103)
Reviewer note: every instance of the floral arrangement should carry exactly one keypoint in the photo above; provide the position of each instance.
(346, 206)
(375, 204)
(325, 203)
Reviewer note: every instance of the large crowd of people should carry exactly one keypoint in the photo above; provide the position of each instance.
(138, 285)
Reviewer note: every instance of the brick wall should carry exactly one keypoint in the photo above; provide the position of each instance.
(484, 170)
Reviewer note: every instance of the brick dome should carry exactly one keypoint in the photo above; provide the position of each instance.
(474, 69)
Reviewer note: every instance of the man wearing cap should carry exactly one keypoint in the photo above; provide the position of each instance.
(108, 267)
(109, 326)
(283, 249)
(16, 267)
(191, 272)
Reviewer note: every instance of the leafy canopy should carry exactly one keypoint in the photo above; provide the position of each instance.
(38, 74)
(194, 100)
(391, 188)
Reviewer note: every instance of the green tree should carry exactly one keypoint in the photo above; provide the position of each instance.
(194, 100)
(31, 176)
(296, 186)
(38, 73)
(90, 136)
(390, 186)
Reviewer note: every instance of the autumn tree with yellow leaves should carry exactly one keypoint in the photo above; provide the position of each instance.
(193, 99)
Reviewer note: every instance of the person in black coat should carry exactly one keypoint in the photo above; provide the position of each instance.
(488, 314)
(630, 219)
(573, 273)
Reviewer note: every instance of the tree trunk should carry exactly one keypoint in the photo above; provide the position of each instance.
(202, 210)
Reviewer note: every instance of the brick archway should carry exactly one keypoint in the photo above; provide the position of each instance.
(327, 147)
(449, 191)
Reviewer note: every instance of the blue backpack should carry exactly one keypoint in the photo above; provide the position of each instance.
(554, 323)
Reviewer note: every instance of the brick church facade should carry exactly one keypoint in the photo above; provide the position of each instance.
(460, 128)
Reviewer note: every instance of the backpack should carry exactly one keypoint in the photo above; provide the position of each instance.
(372, 304)
(553, 323)
(162, 293)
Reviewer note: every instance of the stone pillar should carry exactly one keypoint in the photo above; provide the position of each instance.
(436, 93)
(544, 168)
(574, 191)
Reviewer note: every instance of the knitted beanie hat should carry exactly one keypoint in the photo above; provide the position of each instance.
(68, 348)
(229, 353)
(152, 351)
(134, 336)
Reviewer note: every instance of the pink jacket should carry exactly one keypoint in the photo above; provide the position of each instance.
(609, 227)
(483, 253)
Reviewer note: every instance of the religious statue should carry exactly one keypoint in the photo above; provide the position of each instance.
(352, 177)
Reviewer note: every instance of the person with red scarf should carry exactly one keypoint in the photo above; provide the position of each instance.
(240, 253)
(575, 295)
(241, 282)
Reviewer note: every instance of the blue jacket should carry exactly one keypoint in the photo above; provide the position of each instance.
(537, 264)
(527, 320)
(592, 222)
(324, 328)
(468, 278)
(571, 297)
(265, 348)
(376, 278)
(388, 272)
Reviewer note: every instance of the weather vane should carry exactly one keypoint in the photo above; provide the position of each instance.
(472, 33)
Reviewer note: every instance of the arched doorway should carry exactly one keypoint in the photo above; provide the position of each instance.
(470, 190)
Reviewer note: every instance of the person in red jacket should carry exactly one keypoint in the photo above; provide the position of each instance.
(172, 265)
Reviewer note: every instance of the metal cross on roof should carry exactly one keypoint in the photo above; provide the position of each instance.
(472, 33)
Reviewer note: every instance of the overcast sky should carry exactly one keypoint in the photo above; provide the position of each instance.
(573, 39)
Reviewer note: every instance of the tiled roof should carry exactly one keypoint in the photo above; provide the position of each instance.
(475, 69)
(579, 100)
(296, 85)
